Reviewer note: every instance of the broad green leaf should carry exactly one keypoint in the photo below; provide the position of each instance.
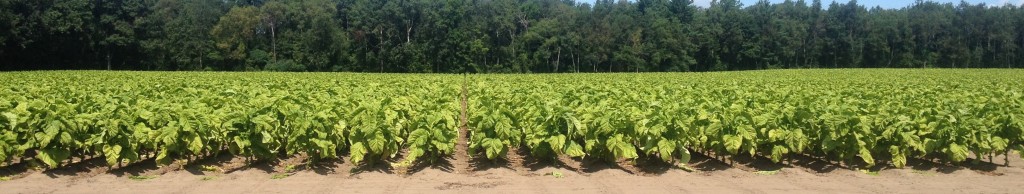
(574, 150)
(623, 150)
(898, 158)
(557, 143)
(684, 156)
(241, 143)
(999, 144)
(52, 156)
(778, 152)
(665, 149)
(494, 148)
(357, 152)
(732, 143)
(50, 132)
(865, 154)
(419, 137)
(163, 157)
(957, 153)
(196, 145)
(112, 153)
(12, 119)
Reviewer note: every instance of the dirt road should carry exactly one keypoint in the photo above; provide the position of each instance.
(339, 177)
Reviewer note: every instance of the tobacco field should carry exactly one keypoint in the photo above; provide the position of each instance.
(869, 116)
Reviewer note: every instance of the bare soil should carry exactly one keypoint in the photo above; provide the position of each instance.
(461, 156)
(706, 175)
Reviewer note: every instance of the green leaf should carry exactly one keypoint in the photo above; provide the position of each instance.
(12, 119)
(377, 143)
(241, 143)
(49, 133)
(494, 148)
(357, 152)
(732, 143)
(865, 154)
(623, 150)
(419, 137)
(66, 139)
(557, 143)
(163, 157)
(196, 145)
(957, 153)
(3, 152)
(930, 145)
(340, 127)
(665, 149)
(898, 158)
(776, 134)
(112, 154)
(414, 153)
(684, 156)
(999, 144)
(778, 152)
(1021, 152)
(52, 156)
(574, 150)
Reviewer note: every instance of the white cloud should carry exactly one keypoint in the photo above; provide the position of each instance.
(1020, 2)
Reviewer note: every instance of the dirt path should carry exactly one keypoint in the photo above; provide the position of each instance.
(504, 180)
(461, 156)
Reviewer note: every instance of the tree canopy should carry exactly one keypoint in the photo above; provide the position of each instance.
(506, 36)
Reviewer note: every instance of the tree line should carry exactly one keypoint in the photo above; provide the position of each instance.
(510, 36)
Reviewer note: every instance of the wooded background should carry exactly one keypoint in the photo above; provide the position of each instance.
(510, 36)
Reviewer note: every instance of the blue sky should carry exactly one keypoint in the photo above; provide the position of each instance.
(868, 3)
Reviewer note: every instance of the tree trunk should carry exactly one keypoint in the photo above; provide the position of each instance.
(889, 64)
(380, 49)
(273, 42)
(108, 59)
(574, 67)
(512, 43)
(558, 58)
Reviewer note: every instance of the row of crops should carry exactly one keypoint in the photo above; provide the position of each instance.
(838, 115)
(51, 116)
(874, 116)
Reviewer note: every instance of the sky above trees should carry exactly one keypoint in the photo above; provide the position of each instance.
(892, 4)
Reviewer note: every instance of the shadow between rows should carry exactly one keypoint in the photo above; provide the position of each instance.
(703, 162)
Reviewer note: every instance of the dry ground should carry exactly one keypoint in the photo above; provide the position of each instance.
(227, 174)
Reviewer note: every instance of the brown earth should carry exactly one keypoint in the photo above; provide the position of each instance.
(708, 176)
(461, 156)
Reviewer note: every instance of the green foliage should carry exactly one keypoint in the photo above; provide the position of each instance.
(843, 115)
(123, 115)
(141, 177)
(285, 65)
(280, 176)
(504, 36)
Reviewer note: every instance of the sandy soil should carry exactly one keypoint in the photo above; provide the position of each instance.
(225, 175)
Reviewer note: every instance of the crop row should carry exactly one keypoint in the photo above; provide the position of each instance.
(867, 115)
(51, 116)
(839, 115)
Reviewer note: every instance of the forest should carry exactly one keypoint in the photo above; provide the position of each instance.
(502, 36)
